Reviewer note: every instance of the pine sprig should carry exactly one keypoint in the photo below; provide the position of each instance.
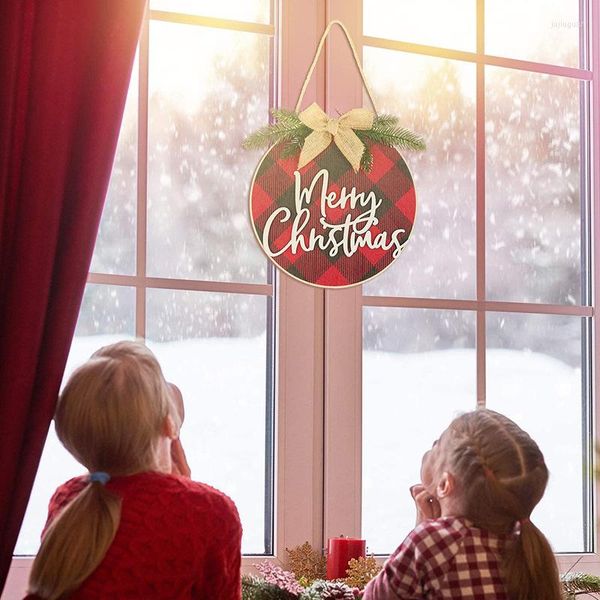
(386, 120)
(293, 147)
(289, 130)
(577, 584)
(254, 588)
(366, 160)
(286, 128)
(385, 131)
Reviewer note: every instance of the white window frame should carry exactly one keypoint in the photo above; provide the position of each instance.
(343, 348)
(141, 282)
(319, 338)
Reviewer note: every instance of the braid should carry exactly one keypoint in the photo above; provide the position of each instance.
(503, 476)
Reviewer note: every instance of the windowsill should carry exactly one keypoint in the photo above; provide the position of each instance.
(19, 569)
(18, 575)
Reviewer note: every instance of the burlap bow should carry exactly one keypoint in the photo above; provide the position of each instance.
(339, 130)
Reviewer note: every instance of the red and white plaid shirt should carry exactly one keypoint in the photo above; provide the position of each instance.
(442, 559)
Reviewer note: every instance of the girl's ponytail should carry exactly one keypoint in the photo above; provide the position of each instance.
(110, 417)
(530, 569)
(76, 542)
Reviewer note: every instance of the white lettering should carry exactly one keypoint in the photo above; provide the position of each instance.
(347, 237)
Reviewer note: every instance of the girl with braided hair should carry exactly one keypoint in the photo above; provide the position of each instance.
(474, 538)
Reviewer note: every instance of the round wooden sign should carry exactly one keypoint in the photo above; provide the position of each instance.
(327, 225)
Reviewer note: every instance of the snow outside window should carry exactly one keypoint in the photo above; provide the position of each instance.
(175, 262)
(490, 303)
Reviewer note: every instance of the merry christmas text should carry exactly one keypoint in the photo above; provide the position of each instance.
(353, 233)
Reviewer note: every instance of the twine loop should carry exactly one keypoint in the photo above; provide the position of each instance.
(318, 54)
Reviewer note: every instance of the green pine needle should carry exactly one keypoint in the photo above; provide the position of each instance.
(366, 161)
(254, 588)
(288, 129)
(577, 584)
(385, 131)
(386, 120)
(285, 116)
(293, 147)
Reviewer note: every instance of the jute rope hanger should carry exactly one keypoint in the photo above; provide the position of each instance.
(318, 54)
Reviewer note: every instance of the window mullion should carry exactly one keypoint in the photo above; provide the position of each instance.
(142, 182)
(595, 205)
(343, 318)
(299, 385)
(480, 205)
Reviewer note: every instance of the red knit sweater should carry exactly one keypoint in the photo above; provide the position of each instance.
(176, 539)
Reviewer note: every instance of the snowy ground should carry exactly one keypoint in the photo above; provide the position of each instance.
(408, 400)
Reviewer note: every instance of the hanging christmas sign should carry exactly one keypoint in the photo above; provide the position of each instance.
(332, 202)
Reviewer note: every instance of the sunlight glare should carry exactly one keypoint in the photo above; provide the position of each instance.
(433, 22)
(256, 11)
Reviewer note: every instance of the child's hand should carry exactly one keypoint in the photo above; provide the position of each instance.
(428, 507)
(177, 397)
(179, 464)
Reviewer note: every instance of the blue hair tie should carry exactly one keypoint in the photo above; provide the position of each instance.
(100, 477)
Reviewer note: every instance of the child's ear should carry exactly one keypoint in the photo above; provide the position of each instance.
(446, 485)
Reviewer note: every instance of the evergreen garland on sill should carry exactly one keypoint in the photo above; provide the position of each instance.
(579, 584)
(274, 583)
(289, 129)
(256, 588)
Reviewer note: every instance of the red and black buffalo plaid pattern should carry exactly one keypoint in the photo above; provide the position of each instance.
(274, 187)
(442, 559)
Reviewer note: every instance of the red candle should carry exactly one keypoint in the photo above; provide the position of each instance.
(339, 552)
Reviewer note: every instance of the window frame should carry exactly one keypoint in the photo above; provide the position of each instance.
(342, 304)
(142, 282)
(318, 424)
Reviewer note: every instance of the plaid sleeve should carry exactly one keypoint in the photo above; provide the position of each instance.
(424, 556)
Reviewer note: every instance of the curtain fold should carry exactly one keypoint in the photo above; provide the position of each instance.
(64, 72)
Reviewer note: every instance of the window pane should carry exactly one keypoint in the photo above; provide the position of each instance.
(534, 377)
(214, 347)
(207, 92)
(115, 245)
(436, 98)
(538, 30)
(106, 316)
(106, 310)
(418, 374)
(430, 22)
(532, 187)
(239, 10)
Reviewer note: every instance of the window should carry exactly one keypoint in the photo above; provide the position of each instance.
(490, 304)
(175, 262)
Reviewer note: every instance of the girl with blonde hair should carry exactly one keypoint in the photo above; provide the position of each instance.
(136, 526)
(474, 537)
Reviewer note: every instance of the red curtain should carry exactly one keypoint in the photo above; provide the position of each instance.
(64, 71)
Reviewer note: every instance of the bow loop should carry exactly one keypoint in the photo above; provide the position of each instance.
(339, 130)
(358, 118)
(314, 117)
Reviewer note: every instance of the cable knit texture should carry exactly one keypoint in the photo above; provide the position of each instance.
(176, 539)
